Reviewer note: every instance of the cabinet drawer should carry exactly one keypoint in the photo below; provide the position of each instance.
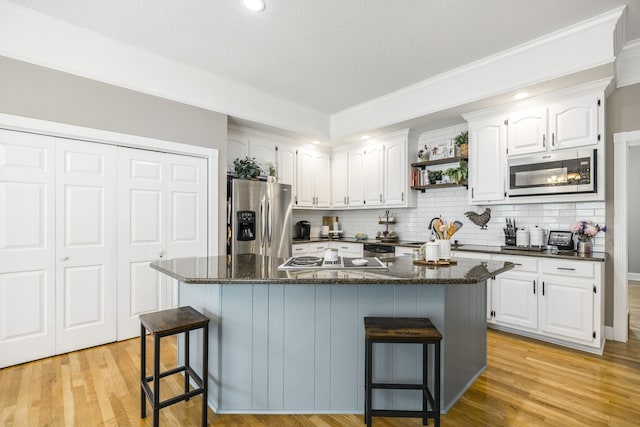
(567, 268)
(472, 255)
(403, 250)
(299, 249)
(522, 263)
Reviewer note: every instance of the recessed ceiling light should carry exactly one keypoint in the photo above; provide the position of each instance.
(365, 137)
(254, 5)
(315, 141)
(520, 95)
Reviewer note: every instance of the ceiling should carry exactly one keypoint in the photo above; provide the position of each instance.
(328, 55)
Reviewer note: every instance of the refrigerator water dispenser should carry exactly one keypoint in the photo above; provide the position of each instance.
(246, 225)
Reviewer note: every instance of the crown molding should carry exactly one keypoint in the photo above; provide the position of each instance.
(628, 64)
(39, 39)
(585, 45)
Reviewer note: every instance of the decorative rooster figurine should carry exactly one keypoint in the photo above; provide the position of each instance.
(480, 220)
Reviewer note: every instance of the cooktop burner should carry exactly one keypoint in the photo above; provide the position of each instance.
(311, 262)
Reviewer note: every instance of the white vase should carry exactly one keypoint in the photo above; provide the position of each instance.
(585, 247)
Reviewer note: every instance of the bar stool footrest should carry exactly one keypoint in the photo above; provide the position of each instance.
(397, 386)
(400, 413)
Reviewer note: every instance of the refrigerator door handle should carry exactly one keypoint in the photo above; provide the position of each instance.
(263, 226)
(269, 222)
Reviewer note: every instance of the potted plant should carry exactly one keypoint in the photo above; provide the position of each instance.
(452, 174)
(273, 172)
(463, 171)
(435, 176)
(462, 141)
(246, 168)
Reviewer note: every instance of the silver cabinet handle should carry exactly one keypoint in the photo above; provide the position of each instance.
(402, 197)
(553, 139)
(544, 140)
(566, 268)
(381, 197)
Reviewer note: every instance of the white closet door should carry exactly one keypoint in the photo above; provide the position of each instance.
(85, 244)
(187, 233)
(27, 252)
(141, 236)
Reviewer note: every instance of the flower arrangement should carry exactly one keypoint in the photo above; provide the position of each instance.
(586, 230)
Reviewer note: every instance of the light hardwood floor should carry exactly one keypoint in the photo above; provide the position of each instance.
(527, 383)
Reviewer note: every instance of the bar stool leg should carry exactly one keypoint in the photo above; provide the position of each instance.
(143, 368)
(205, 374)
(436, 385)
(186, 362)
(368, 381)
(156, 381)
(425, 387)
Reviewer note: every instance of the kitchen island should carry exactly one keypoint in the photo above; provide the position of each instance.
(293, 341)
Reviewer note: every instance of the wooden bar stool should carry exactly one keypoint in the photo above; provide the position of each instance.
(403, 331)
(161, 324)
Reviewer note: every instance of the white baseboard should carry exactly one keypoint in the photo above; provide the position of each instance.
(633, 276)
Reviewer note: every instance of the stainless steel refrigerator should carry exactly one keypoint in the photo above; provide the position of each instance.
(258, 218)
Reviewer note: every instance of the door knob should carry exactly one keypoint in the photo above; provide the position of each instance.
(161, 254)
(65, 258)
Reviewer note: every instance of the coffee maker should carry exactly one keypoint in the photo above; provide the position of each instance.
(303, 230)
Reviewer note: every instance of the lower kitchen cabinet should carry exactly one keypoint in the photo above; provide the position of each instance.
(555, 300)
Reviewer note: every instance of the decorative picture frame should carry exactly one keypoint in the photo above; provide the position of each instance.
(442, 149)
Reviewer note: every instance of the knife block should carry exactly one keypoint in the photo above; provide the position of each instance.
(510, 240)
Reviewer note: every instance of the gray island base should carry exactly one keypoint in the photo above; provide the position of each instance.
(293, 341)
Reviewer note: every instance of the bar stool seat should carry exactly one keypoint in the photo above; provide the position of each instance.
(403, 330)
(161, 324)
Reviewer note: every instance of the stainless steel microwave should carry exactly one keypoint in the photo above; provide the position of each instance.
(565, 172)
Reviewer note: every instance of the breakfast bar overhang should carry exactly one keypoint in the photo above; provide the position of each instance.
(293, 341)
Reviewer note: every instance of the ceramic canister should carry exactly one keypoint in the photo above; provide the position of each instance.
(445, 249)
(432, 251)
(522, 237)
(537, 236)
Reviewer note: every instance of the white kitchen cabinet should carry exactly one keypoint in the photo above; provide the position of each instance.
(514, 300)
(339, 179)
(317, 248)
(575, 122)
(572, 303)
(487, 162)
(348, 249)
(527, 131)
(264, 150)
(356, 178)
(313, 179)
(396, 173)
(237, 148)
(404, 250)
(287, 166)
(373, 175)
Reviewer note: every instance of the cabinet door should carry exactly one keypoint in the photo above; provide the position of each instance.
(27, 248)
(287, 166)
(85, 245)
(141, 236)
(574, 123)
(395, 173)
(264, 151)
(339, 176)
(237, 148)
(515, 300)
(373, 167)
(566, 308)
(526, 131)
(305, 179)
(356, 178)
(322, 181)
(486, 161)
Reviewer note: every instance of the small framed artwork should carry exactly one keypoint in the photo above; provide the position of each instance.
(442, 149)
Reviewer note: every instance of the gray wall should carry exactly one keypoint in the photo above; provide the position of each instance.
(622, 115)
(33, 91)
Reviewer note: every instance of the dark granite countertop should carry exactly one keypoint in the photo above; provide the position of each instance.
(595, 256)
(257, 269)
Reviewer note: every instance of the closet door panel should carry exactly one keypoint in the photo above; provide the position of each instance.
(27, 252)
(141, 236)
(85, 244)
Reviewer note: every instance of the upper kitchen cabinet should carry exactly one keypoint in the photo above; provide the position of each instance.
(339, 176)
(396, 168)
(487, 164)
(312, 179)
(576, 122)
(286, 166)
(355, 178)
(237, 147)
(373, 175)
(527, 131)
(264, 150)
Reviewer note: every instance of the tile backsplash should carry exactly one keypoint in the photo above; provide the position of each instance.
(452, 203)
